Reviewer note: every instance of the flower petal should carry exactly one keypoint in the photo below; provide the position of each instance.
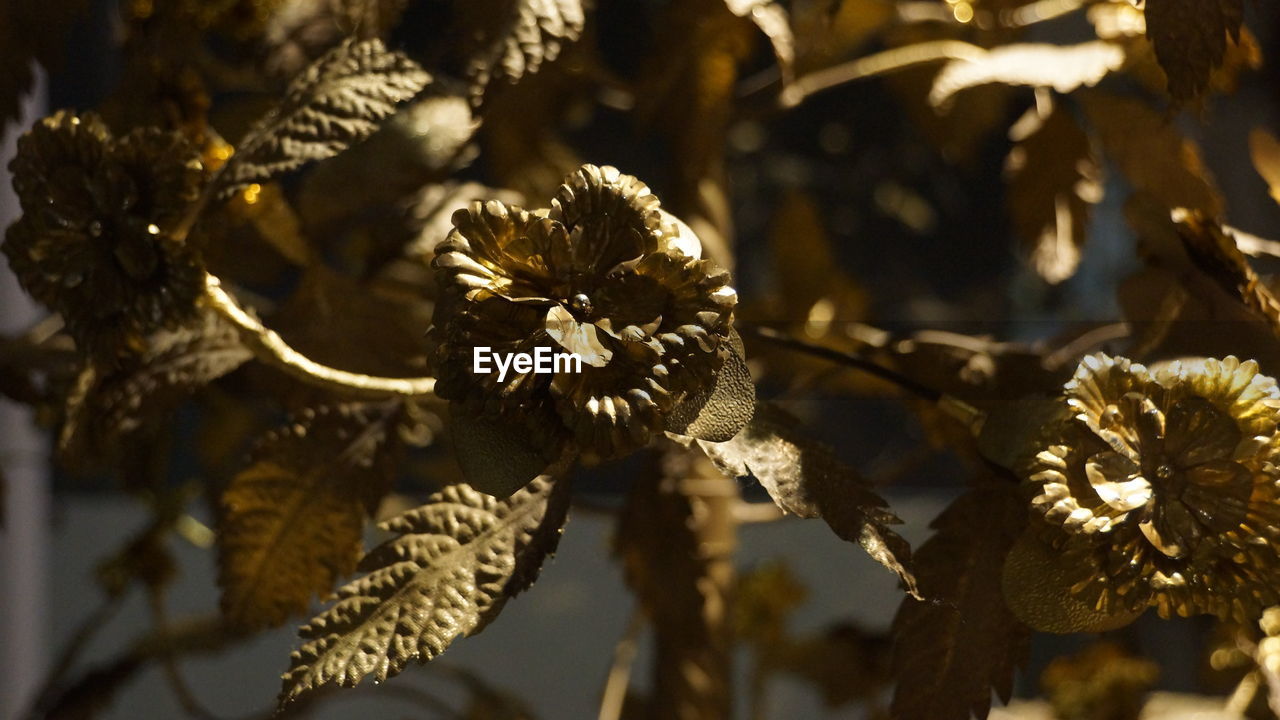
(1199, 432)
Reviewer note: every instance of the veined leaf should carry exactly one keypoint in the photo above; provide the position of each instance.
(1063, 68)
(455, 562)
(336, 102)
(1151, 153)
(291, 521)
(516, 37)
(803, 477)
(1190, 40)
(1054, 180)
(951, 652)
(172, 365)
(1265, 150)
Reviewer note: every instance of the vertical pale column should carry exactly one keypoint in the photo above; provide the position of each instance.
(25, 536)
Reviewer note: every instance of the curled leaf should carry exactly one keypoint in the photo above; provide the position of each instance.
(804, 477)
(719, 412)
(1063, 68)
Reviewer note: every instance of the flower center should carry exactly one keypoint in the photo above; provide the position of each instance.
(1164, 471)
(581, 307)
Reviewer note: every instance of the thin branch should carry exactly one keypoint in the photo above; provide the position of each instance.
(853, 361)
(614, 696)
(270, 348)
(881, 63)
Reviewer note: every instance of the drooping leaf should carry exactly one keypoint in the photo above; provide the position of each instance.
(772, 19)
(291, 521)
(514, 38)
(109, 404)
(453, 564)
(1190, 39)
(1151, 153)
(1216, 253)
(1063, 68)
(952, 650)
(1054, 180)
(804, 478)
(1265, 150)
(336, 102)
(717, 413)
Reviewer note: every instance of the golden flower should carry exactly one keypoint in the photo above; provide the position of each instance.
(603, 273)
(94, 242)
(1164, 489)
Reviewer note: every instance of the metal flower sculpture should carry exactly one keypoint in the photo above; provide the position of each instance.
(96, 241)
(1163, 489)
(604, 273)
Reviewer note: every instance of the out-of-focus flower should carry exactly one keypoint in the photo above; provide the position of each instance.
(603, 273)
(1163, 488)
(95, 239)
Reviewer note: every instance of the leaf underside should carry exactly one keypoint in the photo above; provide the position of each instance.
(292, 521)
(339, 100)
(454, 563)
(951, 651)
(1190, 40)
(804, 478)
(518, 36)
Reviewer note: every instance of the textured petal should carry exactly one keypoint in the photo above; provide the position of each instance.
(1198, 432)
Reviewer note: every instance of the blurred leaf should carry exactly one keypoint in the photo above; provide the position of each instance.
(845, 663)
(1102, 682)
(291, 522)
(828, 31)
(267, 210)
(448, 572)
(1265, 150)
(1012, 432)
(952, 650)
(1054, 180)
(336, 102)
(1190, 39)
(514, 38)
(808, 270)
(804, 478)
(772, 19)
(110, 404)
(763, 602)
(1268, 656)
(717, 413)
(1063, 68)
(1151, 153)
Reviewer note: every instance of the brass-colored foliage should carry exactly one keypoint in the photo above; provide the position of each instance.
(804, 478)
(1103, 682)
(98, 240)
(453, 564)
(291, 521)
(1190, 39)
(1216, 253)
(1054, 180)
(514, 38)
(1030, 64)
(772, 19)
(953, 649)
(1265, 149)
(1268, 656)
(169, 367)
(1158, 160)
(337, 101)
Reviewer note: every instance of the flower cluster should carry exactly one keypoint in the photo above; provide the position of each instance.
(1162, 489)
(95, 241)
(603, 273)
